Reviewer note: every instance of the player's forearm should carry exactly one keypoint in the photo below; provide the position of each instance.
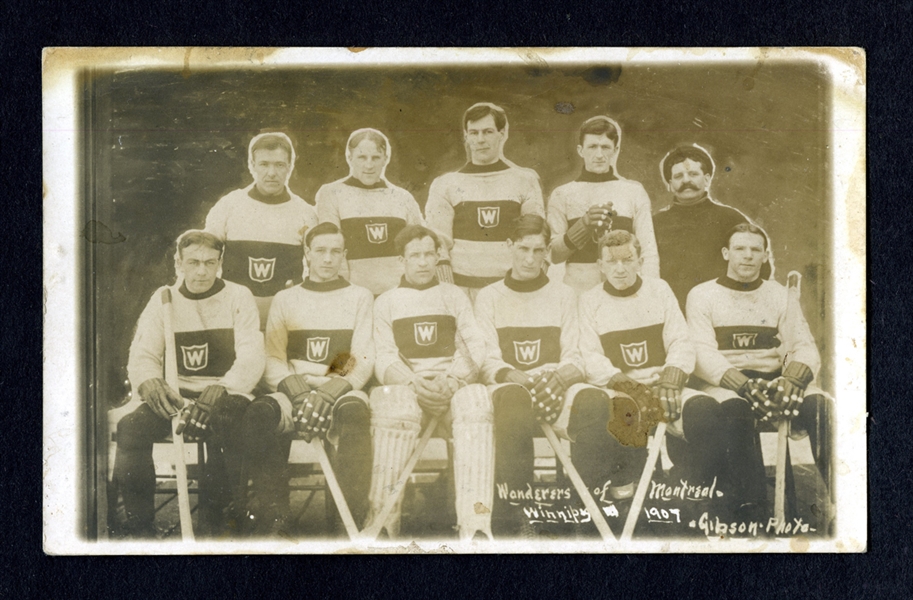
(599, 369)
(397, 373)
(560, 251)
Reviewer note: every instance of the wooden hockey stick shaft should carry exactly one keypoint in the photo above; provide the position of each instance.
(793, 283)
(579, 485)
(171, 378)
(780, 481)
(645, 479)
(335, 490)
(372, 531)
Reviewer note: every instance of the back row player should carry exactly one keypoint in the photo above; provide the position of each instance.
(263, 224)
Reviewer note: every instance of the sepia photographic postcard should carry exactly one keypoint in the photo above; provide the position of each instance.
(430, 300)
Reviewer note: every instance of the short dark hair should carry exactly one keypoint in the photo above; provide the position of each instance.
(746, 228)
(482, 110)
(369, 134)
(530, 225)
(619, 237)
(414, 232)
(324, 228)
(600, 125)
(683, 153)
(271, 142)
(193, 237)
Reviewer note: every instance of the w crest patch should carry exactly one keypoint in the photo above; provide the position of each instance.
(261, 269)
(744, 340)
(425, 333)
(635, 355)
(527, 353)
(377, 232)
(196, 358)
(489, 216)
(317, 349)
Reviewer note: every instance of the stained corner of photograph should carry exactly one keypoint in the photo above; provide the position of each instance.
(414, 301)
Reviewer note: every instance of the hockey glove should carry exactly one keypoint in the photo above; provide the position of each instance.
(433, 394)
(760, 396)
(163, 400)
(444, 273)
(317, 411)
(791, 387)
(195, 418)
(669, 391)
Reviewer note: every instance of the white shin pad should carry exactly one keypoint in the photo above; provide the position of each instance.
(473, 460)
(395, 425)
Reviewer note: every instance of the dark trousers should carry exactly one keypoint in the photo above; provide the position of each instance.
(266, 455)
(515, 427)
(134, 470)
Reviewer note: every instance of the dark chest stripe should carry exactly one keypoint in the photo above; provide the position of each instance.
(427, 336)
(590, 252)
(319, 345)
(206, 353)
(746, 337)
(484, 221)
(638, 348)
(263, 267)
(526, 348)
(371, 237)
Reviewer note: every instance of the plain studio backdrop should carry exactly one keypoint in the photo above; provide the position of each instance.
(162, 146)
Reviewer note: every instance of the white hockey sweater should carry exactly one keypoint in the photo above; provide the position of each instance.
(528, 325)
(216, 334)
(473, 211)
(638, 331)
(569, 202)
(313, 324)
(429, 330)
(370, 218)
(742, 325)
(263, 239)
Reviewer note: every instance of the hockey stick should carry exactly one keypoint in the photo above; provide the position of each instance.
(335, 490)
(579, 485)
(171, 378)
(372, 531)
(793, 283)
(645, 478)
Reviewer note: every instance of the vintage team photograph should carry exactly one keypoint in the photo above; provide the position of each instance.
(338, 300)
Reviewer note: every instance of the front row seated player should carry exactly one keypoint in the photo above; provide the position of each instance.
(531, 330)
(633, 329)
(320, 354)
(426, 338)
(750, 344)
(220, 358)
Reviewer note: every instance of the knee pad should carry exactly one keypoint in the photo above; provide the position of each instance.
(227, 414)
(395, 407)
(261, 417)
(351, 408)
(700, 417)
(471, 404)
(509, 392)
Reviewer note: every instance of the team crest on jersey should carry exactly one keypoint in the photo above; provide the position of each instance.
(318, 348)
(196, 358)
(527, 353)
(489, 216)
(261, 269)
(744, 340)
(425, 333)
(377, 232)
(635, 355)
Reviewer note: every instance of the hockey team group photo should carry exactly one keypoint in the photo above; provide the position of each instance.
(461, 304)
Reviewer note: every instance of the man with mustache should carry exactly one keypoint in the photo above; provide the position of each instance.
(263, 224)
(691, 231)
